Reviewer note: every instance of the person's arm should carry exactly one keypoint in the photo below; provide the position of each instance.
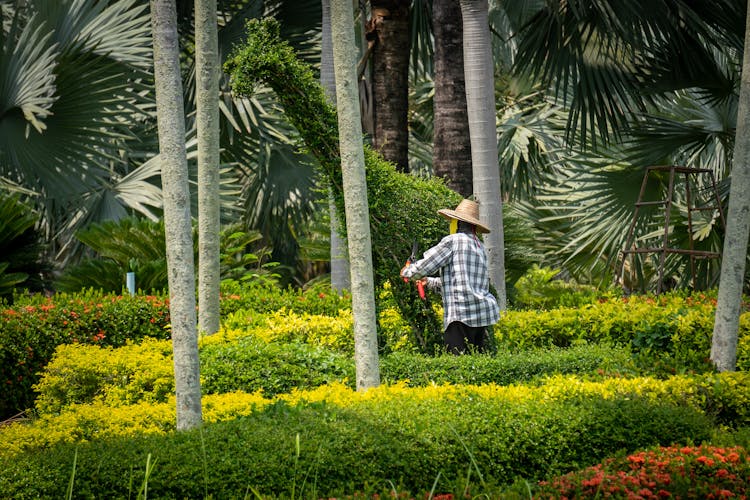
(434, 258)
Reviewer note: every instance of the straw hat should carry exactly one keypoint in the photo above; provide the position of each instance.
(467, 211)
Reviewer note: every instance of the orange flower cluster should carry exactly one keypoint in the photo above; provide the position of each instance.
(667, 472)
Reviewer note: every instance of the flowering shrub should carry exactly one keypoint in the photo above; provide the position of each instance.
(34, 326)
(665, 472)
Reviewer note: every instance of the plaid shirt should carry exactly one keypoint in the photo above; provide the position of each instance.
(464, 280)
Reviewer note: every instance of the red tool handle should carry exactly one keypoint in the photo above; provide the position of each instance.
(420, 288)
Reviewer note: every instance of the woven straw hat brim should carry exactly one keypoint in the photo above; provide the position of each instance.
(452, 214)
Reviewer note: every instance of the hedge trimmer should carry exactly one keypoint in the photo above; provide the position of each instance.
(412, 258)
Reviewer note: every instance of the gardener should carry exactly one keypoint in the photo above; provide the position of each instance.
(461, 262)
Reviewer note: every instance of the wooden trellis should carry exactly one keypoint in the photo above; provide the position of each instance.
(665, 249)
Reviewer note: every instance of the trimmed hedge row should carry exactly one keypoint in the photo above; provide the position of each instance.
(334, 440)
(34, 326)
(674, 328)
(143, 372)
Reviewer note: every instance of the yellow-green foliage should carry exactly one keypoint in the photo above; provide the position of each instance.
(725, 395)
(674, 324)
(82, 374)
(86, 422)
(333, 332)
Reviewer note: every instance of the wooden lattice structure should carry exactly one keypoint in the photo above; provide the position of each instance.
(667, 202)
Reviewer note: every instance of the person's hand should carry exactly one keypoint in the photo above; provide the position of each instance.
(401, 273)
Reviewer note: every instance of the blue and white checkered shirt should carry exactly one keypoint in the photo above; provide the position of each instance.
(464, 280)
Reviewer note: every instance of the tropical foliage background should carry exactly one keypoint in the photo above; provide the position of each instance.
(577, 123)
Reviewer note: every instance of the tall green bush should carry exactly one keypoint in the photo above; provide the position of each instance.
(403, 208)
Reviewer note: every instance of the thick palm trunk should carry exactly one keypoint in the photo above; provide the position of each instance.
(339, 259)
(177, 223)
(480, 103)
(390, 79)
(355, 196)
(728, 305)
(451, 150)
(207, 119)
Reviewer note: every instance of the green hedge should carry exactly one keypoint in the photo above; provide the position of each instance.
(672, 332)
(409, 439)
(34, 326)
(264, 298)
(82, 374)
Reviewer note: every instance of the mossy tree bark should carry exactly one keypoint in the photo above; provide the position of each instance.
(177, 221)
(207, 120)
(355, 196)
(339, 258)
(729, 301)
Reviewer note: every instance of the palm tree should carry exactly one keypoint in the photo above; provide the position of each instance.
(613, 61)
(207, 124)
(389, 32)
(177, 221)
(339, 262)
(73, 107)
(729, 301)
(480, 103)
(451, 152)
(355, 196)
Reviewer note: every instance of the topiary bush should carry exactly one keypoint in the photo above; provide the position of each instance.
(335, 440)
(403, 208)
(35, 325)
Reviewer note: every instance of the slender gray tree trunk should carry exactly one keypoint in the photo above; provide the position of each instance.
(355, 195)
(339, 259)
(726, 324)
(177, 221)
(207, 119)
(480, 103)
(451, 149)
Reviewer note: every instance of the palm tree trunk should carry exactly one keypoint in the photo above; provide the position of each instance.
(480, 104)
(729, 301)
(451, 150)
(177, 223)
(207, 120)
(355, 196)
(339, 259)
(390, 79)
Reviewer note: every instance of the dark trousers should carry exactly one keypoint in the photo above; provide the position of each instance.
(459, 336)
